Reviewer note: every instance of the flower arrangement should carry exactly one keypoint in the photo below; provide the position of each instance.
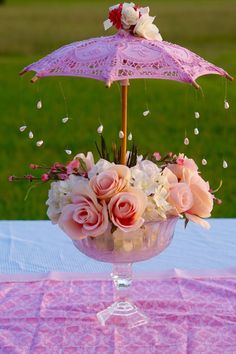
(86, 199)
(121, 195)
(133, 19)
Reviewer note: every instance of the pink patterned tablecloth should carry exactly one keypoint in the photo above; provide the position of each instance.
(187, 315)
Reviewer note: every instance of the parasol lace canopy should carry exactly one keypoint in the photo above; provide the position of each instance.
(122, 57)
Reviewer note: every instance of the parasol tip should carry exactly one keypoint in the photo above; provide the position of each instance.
(34, 79)
(229, 77)
(195, 85)
(108, 84)
(22, 72)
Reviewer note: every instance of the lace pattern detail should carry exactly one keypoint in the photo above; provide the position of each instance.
(123, 56)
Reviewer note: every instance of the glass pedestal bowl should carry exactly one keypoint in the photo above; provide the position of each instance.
(122, 249)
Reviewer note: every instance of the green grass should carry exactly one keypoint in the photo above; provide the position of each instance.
(29, 31)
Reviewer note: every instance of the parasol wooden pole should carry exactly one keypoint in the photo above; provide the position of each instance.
(124, 87)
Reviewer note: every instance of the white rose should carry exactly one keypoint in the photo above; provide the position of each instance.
(129, 17)
(100, 166)
(88, 160)
(144, 10)
(128, 4)
(146, 29)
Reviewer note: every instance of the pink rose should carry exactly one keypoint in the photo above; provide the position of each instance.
(85, 216)
(110, 182)
(202, 198)
(181, 163)
(180, 197)
(126, 209)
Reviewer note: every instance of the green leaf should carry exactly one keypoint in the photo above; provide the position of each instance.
(186, 221)
(115, 153)
(129, 159)
(103, 151)
(98, 150)
(134, 155)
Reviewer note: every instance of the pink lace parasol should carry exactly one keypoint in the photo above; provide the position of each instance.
(124, 56)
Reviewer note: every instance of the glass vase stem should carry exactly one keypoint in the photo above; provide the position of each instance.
(122, 312)
(122, 280)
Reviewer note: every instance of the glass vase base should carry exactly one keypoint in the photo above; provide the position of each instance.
(122, 314)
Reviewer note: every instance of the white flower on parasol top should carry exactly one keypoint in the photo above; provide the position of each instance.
(129, 16)
(146, 29)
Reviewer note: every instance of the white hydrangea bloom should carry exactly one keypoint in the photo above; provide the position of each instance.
(158, 206)
(145, 176)
(151, 213)
(59, 195)
(56, 194)
(160, 199)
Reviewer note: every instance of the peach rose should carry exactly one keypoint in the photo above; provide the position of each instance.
(126, 209)
(170, 176)
(182, 162)
(198, 220)
(85, 216)
(110, 182)
(202, 198)
(180, 197)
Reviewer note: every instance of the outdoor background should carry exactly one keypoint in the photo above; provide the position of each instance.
(32, 29)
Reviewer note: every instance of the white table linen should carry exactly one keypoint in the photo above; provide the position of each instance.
(39, 246)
